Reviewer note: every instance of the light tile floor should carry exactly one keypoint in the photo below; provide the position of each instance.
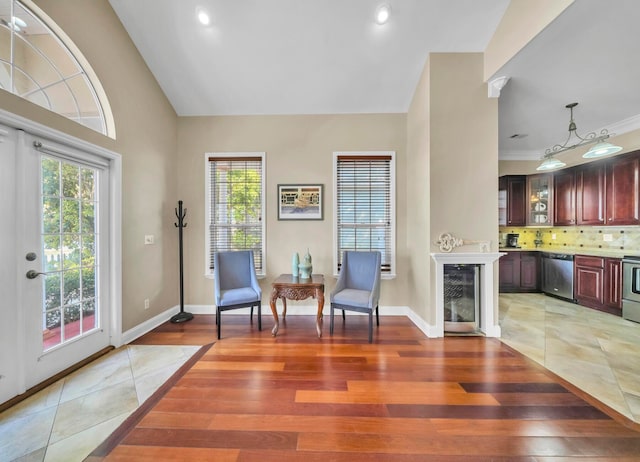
(70, 418)
(597, 352)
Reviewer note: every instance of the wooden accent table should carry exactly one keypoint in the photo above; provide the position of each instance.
(295, 288)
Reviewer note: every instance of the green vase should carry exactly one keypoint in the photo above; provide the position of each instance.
(295, 261)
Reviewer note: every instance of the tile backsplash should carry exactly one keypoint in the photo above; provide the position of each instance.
(587, 237)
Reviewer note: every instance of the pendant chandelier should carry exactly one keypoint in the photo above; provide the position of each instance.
(601, 148)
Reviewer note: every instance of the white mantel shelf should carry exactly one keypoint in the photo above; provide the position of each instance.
(488, 322)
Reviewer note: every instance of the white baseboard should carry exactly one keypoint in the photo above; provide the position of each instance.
(493, 331)
(148, 325)
(308, 310)
(427, 329)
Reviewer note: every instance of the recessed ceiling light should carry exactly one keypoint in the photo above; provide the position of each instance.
(382, 14)
(203, 17)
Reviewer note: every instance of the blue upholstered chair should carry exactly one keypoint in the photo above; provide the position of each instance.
(358, 286)
(236, 284)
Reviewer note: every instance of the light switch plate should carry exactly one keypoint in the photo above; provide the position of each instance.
(607, 237)
(149, 239)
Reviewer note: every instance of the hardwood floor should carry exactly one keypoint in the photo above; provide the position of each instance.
(253, 397)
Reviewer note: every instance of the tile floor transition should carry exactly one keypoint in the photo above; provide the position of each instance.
(70, 418)
(597, 352)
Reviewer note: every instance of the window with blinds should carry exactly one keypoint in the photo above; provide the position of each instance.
(235, 205)
(365, 205)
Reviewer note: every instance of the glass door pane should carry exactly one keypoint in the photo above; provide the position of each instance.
(69, 236)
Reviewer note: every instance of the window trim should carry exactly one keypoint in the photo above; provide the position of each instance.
(208, 273)
(392, 198)
(94, 86)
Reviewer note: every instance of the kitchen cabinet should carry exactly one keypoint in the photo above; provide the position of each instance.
(519, 272)
(598, 283)
(589, 280)
(598, 193)
(564, 198)
(590, 193)
(516, 196)
(622, 191)
(613, 284)
(540, 199)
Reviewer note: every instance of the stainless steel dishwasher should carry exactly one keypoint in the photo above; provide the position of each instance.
(557, 275)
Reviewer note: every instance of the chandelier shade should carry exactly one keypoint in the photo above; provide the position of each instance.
(601, 150)
(551, 163)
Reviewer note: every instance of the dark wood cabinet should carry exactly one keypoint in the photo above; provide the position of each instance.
(589, 280)
(605, 192)
(613, 284)
(622, 191)
(540, 199)
(598, 283)
(530, 271)
(516, 192)
(519, 272)
(564, 198)
(509, 269)
(590, 192)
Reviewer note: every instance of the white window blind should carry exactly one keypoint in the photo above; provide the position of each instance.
(236, 206)
(365, 212)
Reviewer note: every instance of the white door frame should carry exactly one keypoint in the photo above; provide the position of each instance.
(115, 234)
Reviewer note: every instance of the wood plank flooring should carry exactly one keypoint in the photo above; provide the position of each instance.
(404, 398)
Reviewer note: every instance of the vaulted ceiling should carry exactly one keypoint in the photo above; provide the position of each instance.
(330, 57)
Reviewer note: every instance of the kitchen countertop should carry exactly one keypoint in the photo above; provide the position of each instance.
(611, 253)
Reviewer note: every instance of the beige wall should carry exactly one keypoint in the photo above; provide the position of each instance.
(146, 137)
(418, 196)
(299, 149)
(463, 153)
(440, 173)
(523, 20)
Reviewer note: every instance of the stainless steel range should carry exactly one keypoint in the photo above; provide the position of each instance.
(631, 288)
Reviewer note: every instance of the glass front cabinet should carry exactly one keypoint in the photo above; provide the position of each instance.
(540, 189)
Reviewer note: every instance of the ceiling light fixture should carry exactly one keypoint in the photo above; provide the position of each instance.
(601, 148)
(203, 17)
(382, 14)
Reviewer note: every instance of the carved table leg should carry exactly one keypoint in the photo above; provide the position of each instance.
(320, 298)
(272, 303)
(284, 303)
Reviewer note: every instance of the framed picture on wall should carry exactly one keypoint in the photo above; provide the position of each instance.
(300, 202)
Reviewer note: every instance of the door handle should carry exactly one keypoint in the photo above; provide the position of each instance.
(32, 274)
(634, 280)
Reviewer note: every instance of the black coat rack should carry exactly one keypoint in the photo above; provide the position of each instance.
(183, 315)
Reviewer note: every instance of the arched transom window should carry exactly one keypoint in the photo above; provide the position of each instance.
(46, 68)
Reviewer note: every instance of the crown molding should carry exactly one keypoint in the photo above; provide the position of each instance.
(624, 126)
(520, 155)
(495, 86)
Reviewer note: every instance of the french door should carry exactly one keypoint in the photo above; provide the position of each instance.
(63, 201)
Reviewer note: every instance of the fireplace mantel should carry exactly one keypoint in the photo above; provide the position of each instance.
(488, 322)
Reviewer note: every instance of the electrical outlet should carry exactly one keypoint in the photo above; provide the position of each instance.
(553, 235)
(146, 303)
(607, 237)
(149, 239)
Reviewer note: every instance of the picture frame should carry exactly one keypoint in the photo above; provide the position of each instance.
(300, 202)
